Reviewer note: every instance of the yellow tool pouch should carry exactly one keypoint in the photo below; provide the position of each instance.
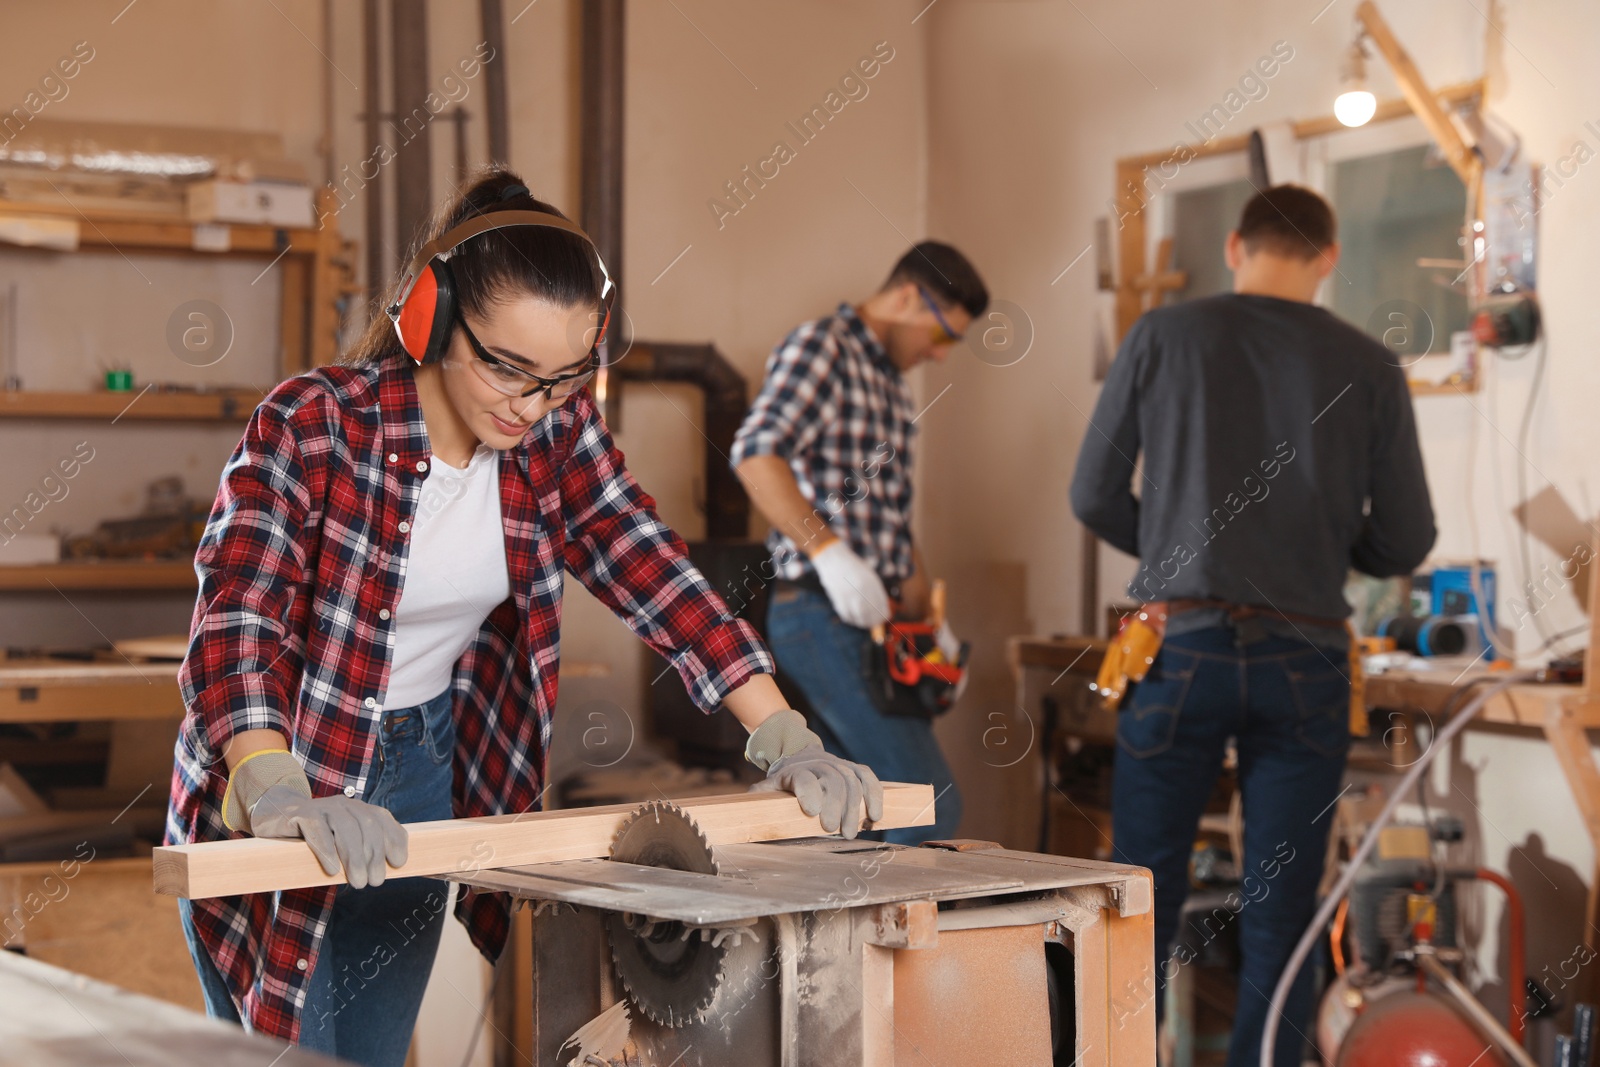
(1130, 654)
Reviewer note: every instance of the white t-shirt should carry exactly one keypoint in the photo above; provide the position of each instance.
(455, 575)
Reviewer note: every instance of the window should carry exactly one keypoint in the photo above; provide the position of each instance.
(1396, 208)
(1202, 220)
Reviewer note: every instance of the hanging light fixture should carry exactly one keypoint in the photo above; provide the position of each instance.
(1355, 105)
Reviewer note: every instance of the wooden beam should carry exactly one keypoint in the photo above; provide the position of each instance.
(1321, 126)
(1418, 95)
(450, 846)
(1591, 655)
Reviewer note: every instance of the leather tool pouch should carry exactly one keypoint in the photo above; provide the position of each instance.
(1130, 654)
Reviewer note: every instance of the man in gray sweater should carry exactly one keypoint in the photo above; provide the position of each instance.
(1279, 451)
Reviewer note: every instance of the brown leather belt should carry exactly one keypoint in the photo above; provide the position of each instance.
(1237, 612)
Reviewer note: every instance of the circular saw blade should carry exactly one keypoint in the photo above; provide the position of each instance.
(672, 972)
(661, 834)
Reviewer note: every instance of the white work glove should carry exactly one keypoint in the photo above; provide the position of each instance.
(950, 645)
(853, 587)
(827, 786)
(269, 796)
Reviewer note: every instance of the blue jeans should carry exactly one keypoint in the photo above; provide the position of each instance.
(824, 657)
(1286, 704)
(362, 1000)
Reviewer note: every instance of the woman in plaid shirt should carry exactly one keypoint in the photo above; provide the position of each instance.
(377, 635)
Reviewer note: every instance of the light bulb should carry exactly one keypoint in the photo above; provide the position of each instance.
(1355, 107)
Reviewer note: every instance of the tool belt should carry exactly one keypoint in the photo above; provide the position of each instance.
(1133, 650)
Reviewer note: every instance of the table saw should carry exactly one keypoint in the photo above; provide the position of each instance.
(821, 951)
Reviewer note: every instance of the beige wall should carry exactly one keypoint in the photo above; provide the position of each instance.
(1021, 196)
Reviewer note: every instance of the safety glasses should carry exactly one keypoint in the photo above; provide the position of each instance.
(511, 380)
(945, 335)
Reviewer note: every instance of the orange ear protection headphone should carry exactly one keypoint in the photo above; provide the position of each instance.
(424, 315)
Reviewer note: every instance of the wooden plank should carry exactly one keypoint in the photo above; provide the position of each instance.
(1080, 655)
(131, 700)
(1415, 89)
(1130, 223)
(1096, 997)
(1321, 126)
(294, 315)
(167, 646)
(220, 405)
(55, 672)
(1130, 965)
(457, 846)
(1433, 692)
(1591, 655)
(130, 575)
(1388, 110)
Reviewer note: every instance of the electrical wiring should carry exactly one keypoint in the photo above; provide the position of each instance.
(1497, 638)
(1522, 471)
(1475, 574)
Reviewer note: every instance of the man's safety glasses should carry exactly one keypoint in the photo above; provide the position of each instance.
(946, 335)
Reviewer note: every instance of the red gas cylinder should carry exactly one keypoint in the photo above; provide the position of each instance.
(1415, 1030)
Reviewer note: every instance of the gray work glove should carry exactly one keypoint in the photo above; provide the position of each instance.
(827, 786)
(269, 796)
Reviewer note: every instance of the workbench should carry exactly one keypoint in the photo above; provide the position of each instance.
(1564, 714)
(55, 1018)
(97, 916)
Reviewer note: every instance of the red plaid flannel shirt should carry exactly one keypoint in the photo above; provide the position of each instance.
(307, 542)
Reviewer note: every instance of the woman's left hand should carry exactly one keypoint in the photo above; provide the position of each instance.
(827, 786)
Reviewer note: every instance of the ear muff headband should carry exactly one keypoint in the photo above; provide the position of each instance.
(424, 314)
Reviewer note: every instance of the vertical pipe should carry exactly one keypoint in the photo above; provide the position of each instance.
(601, 49)
(494, 81)
(604, 37)
(372, 108)
(411, 124)
(328, 166)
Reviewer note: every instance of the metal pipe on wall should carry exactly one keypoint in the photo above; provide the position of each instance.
(494, 82)
(371, 110)
(412, 121)
(602, 41)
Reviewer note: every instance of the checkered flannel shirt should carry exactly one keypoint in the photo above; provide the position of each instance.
(307, 543)
(838, 410)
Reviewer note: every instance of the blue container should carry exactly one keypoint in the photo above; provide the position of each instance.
(1450, 590)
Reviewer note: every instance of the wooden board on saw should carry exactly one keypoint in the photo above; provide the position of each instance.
(455, 846)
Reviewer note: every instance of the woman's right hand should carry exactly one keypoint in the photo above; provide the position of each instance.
(343, 832)
(269, 796)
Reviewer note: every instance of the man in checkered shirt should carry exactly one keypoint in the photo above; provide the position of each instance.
(825, 454)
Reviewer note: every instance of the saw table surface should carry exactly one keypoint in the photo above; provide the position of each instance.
(804, 875)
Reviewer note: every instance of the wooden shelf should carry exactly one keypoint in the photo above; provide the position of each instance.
(222, 405)
(110, 576)
(127, 231)
(1443, 388)
(316, 264)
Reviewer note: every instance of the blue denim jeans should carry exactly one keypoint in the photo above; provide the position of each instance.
(824, 657)
(362, 1000)
(1286, 704)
